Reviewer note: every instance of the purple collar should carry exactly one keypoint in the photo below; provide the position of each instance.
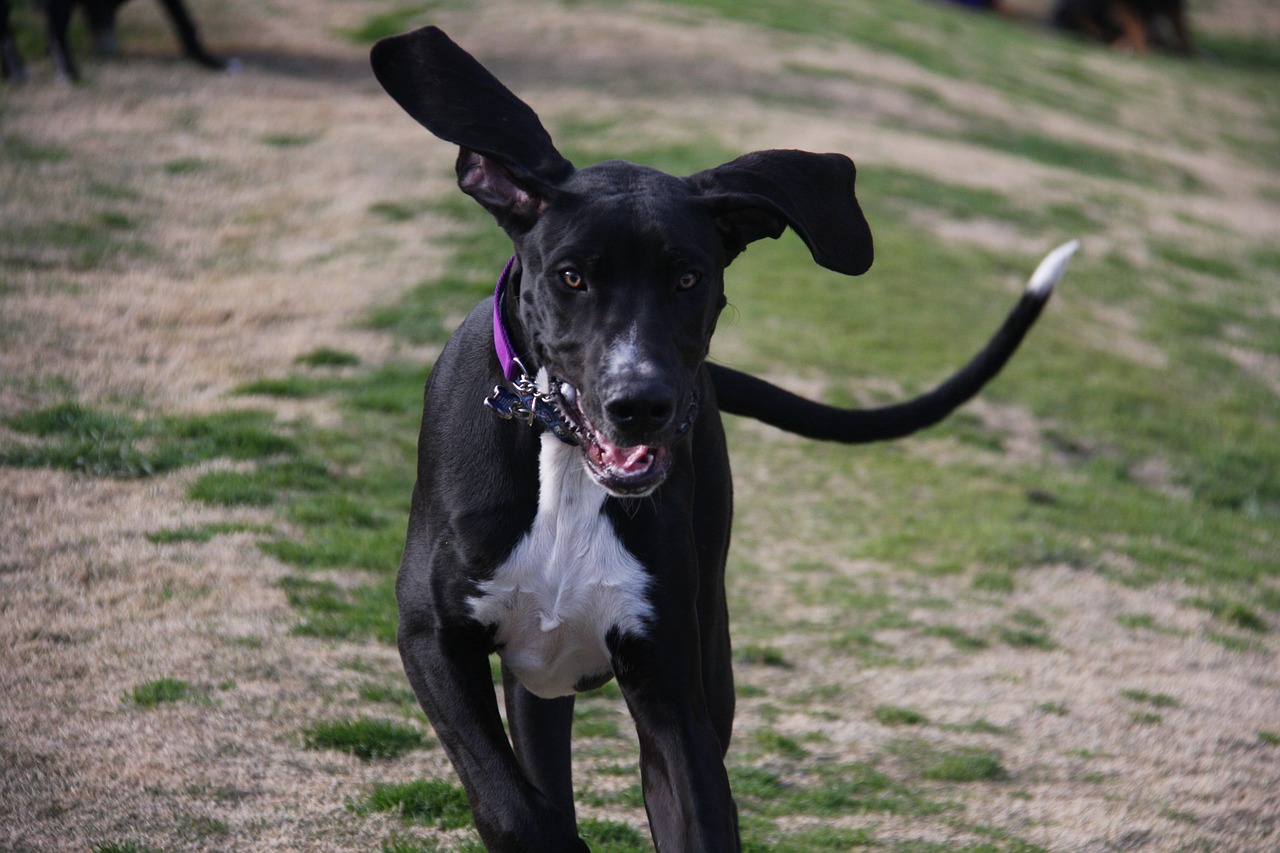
(511, 367)
(522, 400)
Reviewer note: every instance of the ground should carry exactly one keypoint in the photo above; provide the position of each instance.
(241, 214)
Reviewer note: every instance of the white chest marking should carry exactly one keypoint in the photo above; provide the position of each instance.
(567, 584)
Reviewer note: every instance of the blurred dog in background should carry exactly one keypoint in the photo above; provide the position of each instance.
(102, 24)
(1137, 25)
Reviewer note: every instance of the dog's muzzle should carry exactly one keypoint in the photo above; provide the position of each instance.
(624, 472)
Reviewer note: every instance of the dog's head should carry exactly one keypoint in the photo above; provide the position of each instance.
(620, 268)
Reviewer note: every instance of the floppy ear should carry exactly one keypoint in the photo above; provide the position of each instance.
(507, 162)
(759, 194)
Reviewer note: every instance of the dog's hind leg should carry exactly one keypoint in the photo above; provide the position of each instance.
(185, 28)
(11, 65)
(541, 730)
(1178, 19)
(57, 19)
(1134, 25)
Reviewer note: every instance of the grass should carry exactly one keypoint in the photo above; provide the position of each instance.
(776, 743)
(149, 694)
(760, 655)
(431, 802)
(391, 23)
(203, 532)
(1157, 700)
(366, 738)
(115, 444)
(329, 357)
(893, 715)
(330, 612)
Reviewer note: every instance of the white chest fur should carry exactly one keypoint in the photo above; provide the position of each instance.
(566, 585)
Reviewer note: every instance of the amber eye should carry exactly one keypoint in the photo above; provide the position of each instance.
(689, 280)
(572, 279)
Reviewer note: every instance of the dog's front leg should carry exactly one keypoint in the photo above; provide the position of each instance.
(450, 675)
(541, 731)
(662, 676)
(686, 788)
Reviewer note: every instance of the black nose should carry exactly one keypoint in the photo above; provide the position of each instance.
(639, 416)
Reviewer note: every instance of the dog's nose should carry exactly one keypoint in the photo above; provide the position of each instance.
(641, 415)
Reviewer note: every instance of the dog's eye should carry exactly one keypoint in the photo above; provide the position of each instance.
(689, 280)
(572, 279)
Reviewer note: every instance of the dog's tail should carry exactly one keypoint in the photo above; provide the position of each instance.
(742, 394)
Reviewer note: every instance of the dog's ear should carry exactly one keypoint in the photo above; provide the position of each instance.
(507, 161)
(759, 194)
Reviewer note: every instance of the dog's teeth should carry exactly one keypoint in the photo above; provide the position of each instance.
(567, 391)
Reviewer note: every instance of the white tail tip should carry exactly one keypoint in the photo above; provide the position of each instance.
(1051, 269)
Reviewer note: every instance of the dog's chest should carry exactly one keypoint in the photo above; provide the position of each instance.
(567, 584)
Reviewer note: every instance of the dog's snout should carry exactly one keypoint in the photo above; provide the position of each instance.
(642, 414)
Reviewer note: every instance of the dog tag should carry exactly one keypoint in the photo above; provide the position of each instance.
(506, 403)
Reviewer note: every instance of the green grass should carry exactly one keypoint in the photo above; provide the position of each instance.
(962, 640)
(392, 22)
(18, 149)
(149, 694)
(610, 836)
(829, 791)
(966, 765)
(595, 720)
(289, 140)
(893, 715)
(1236, 614)
(431, 802)
(330, 612)
(231, 488)
(760, 655)
(1157, 700)
(776, 743)
(203, 532)
(115, 444)
(365, 738)
(187, 166)
(329, 357)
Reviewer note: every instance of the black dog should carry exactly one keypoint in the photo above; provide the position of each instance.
(102, 24)
(592, 546)
(11, 65)
(1132, 24)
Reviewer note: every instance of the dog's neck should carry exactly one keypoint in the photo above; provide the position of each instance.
(523, 398)
(511, 366)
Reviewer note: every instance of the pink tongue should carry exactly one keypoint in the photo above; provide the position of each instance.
(628, 460)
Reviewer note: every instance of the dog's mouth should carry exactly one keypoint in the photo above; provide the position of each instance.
(624, 472)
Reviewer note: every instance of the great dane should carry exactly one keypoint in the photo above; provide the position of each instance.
(573, 494)
(102, 24)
